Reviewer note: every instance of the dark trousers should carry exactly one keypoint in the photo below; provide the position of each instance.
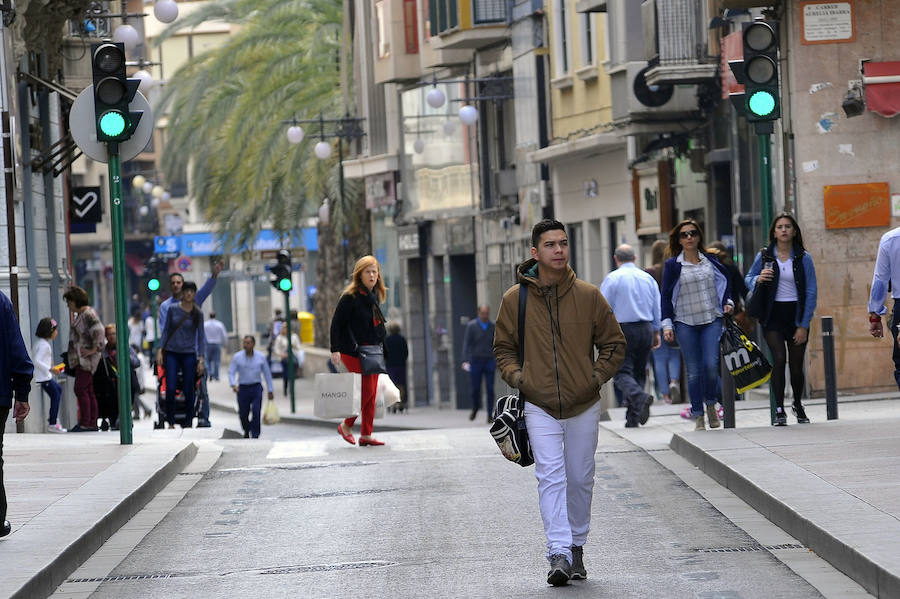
(482, 368)
(54, 392)
(213, 359)
(4, 412)
(895, 354)
(188, 365)
(249, 399)
(88, 411)
(630, 378)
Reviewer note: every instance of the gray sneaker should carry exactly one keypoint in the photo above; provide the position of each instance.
(578, 571)
(560, 570)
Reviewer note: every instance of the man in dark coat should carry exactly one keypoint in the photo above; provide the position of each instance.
(478, 359)
(16, 371)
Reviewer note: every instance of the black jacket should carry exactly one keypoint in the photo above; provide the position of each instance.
(359, 313)
(396, 351)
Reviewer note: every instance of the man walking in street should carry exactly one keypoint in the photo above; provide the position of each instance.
(216, 338)
(247, 367)
(634, 298)
(478, 360)
(566, 319)
(16, 371)
(887, 273)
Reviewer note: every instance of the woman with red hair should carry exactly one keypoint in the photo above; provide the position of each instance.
(358, 321)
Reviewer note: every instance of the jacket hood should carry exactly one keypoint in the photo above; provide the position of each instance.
(528, 275)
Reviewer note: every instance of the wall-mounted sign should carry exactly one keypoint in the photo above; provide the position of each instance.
(408, 241)
(651, 189)
(828, 22)
(86, 205)
(858, 205)
(380, 191)
(460, 236)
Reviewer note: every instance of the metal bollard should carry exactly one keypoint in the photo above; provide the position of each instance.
(728, 392)
(830, 372)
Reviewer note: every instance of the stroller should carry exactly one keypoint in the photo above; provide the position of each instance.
(201, 399)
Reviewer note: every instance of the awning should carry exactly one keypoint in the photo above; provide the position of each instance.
(882, 83)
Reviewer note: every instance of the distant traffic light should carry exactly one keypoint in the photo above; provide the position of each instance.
(281, 272)
(762, 98)
(113, 92)
(155, 270)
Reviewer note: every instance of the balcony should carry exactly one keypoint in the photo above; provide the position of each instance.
(396, 42)
(590, 6)
(468, 24)
(675, 42)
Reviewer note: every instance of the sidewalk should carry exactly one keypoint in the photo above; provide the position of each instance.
(832, 485)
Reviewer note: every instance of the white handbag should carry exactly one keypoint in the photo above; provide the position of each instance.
(337, 395)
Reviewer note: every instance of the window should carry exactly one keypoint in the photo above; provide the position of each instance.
(587, 39)
(382, 41)
(561, 38)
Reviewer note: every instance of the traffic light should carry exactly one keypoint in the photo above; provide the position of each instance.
(113, 92)
(155, 270)
(762, 98)
(281, 272)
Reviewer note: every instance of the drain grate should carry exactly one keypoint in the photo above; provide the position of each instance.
(338, 493)
(128, 578)
(328, 567)
(745, 548)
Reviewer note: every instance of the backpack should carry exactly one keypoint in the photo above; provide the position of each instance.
(508, 429)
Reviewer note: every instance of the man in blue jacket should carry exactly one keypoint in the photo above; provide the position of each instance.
(16, 371)
(478, 359)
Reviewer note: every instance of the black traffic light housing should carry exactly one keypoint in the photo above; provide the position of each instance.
(113, 92)
(762, 94)
(282, 271)
(156, 270)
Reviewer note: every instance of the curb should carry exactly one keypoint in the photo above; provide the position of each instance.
(848, 559)
(45, 580)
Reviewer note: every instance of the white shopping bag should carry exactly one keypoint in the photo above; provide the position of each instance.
(337, 395)
(387, 391)
(379, 407)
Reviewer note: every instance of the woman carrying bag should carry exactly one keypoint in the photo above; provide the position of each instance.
(357, 329)
(783, 280)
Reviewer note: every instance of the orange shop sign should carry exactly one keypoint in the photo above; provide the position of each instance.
(857, 205)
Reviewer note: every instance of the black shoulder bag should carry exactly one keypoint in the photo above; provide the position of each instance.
(371, 357)
(508, 429)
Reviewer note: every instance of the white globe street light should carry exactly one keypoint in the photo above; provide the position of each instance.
(165, 11)
(157, 191)
(435, 98)
(323, 212)
(126, 34)
(419, 146)
(138, 181)
(144, 210)
(154, 202)
(295, 134)
(166, 196)
(322, 150)
(147, 187)
(468, 115)
(449, 127)
(146, 81)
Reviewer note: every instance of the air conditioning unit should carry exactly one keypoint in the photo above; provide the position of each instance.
(633, 100)
(505, 183)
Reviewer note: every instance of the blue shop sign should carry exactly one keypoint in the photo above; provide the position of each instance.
(210, 244)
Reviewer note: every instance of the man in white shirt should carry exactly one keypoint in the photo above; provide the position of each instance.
(887, 273)
(244, 374)
(216, 337)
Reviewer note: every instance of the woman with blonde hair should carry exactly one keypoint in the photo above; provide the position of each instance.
(358, 321)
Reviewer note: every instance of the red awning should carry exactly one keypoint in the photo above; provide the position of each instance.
(882, 97)
(136, 263)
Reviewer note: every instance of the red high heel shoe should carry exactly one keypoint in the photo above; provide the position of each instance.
(370, 441)
(347, 437)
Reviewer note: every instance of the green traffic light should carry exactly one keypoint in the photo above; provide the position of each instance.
(285, 284)
(153, 284)
(112, 123)
(761, 103)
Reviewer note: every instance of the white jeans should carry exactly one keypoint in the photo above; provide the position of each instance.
(564, 467)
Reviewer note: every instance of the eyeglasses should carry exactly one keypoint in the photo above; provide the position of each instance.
(691, 233)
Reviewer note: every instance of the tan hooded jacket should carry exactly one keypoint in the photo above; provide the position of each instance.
(563, 325)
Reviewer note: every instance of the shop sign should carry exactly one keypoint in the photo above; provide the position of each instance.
(857, 205)
(408, 241)
(651, 191)
(461, 236)
(380, 191)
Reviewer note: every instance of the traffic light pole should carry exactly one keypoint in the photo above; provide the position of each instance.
(290, 362)
(123, 359)
(765, 198)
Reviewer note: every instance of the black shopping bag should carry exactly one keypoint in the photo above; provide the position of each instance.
(743, 358)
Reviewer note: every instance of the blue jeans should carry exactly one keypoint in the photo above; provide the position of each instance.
(482, 367)
(53, 391)
(666, 367)
(213, 359)
(249, 399)
(700, 348)
(187, 363)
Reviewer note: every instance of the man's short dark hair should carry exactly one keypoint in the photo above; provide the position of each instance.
(212, 314)
(548, 224)
(251, 338)
(176, 274)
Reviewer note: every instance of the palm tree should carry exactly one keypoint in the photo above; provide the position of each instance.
(226, 110)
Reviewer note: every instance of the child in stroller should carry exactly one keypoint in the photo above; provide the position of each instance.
(200, 405)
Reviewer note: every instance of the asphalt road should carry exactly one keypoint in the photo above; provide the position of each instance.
(300, 513)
